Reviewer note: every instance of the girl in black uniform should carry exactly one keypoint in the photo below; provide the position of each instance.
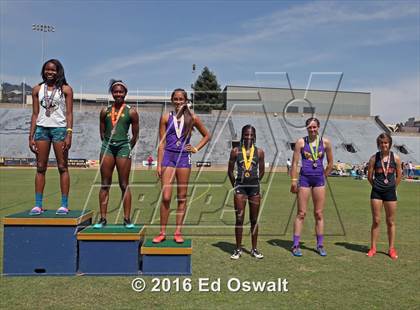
(384, 175)
(250, 170)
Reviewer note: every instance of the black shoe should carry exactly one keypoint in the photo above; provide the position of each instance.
(100, 224)
(128, 224)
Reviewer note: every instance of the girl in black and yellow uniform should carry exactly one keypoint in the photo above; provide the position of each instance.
(116, 149)
(250, 170)
(384, 175)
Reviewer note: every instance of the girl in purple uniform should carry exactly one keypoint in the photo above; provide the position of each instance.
(174, 158)
(311, 149)
(384, 175)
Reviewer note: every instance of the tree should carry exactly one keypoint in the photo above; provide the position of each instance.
(207, 92)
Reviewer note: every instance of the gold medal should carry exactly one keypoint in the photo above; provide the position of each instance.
(314, 151)
(248, 160)
(115, 117)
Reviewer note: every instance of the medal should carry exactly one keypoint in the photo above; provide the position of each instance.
(178, 128)
(387, 167)
(314, 152)
(248, 160)
(49, 99)
(115, 117)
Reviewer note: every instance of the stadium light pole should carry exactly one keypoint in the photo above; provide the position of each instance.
(43, 29)
(192, 85)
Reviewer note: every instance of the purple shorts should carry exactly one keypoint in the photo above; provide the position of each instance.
(311, 180)
(176, 159)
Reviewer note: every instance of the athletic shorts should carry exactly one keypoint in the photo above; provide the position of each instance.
(311, 180)
(388, 195)
(54, 134)
(120, 149)
(176, 159)
(247, 189)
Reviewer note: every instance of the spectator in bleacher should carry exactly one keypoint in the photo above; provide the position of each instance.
(51, 123)
(174, 158)
(384, 175)
(115, 122)
(311, 149)
(249, 161)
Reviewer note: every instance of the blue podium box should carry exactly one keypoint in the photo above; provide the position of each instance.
(111, 250)
(45, 244)
(167, 258)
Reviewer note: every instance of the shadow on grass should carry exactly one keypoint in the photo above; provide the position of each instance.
(353, 247)
(287, 244)
(225, 246)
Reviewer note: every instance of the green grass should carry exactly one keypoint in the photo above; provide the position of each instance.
(346, 278)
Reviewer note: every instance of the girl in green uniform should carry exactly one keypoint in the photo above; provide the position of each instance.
(115, 121)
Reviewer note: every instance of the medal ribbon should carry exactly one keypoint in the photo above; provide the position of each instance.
(178, 127)
(314, 152)
(387, 165)
(114, 116)
(248, 160)
(49, 99)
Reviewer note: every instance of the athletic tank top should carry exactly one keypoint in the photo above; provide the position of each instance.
(120, 133)
(173, 143)
(379, 176)
(254, 171)
(307, 161)
(57, 116)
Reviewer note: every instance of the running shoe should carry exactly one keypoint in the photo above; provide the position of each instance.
(128, 224)
(296, 251)
(321, 251)
(255, 253)
(36, 211)
(393, 253)
(100, 224)
(371, 252)
(178, 238)
(159, 238)
(236, 254)
(62, 211)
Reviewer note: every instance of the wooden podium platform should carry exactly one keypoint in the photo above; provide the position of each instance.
(166, 258)
(111, 250)
(42, 244)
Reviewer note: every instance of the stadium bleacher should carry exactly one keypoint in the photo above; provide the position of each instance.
(353, 139)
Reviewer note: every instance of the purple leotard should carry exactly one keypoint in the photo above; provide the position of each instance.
(175, 154)
(310, 176)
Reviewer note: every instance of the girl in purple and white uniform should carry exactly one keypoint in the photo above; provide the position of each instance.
(174, 158)
(311, 149)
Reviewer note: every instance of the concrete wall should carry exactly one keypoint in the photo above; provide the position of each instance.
(254, 99)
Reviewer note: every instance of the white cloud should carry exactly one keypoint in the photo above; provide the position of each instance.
(289, 22)
(396, 102)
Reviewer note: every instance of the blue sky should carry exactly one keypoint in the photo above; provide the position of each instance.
(152, 45)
